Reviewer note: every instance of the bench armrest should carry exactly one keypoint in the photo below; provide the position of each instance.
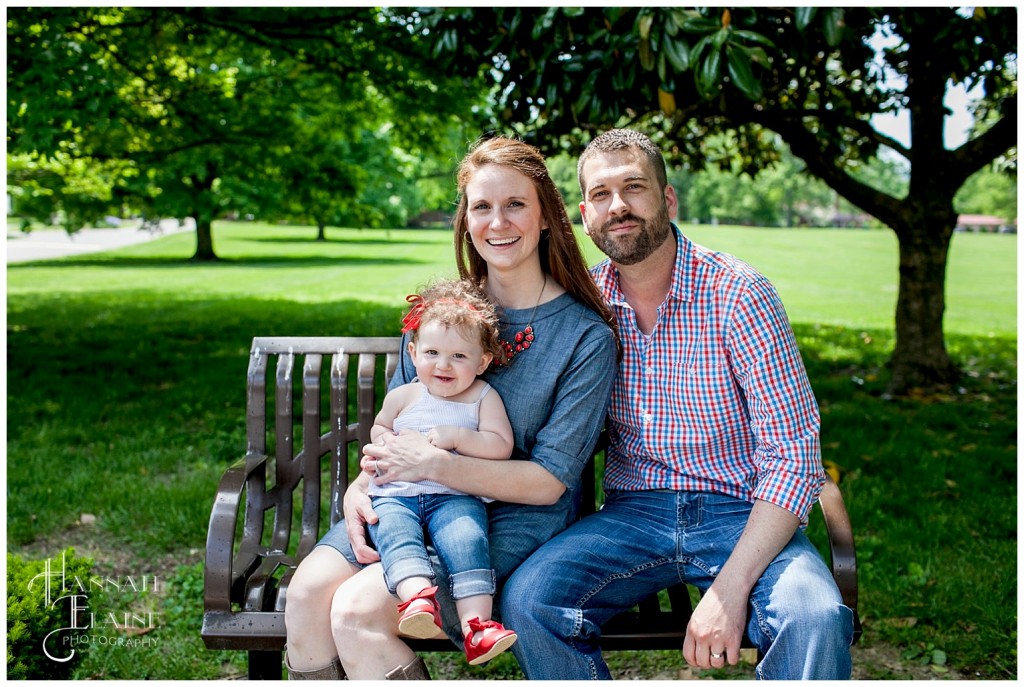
(221, 567)
(840, 540)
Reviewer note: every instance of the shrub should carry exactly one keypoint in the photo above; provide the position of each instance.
(36, 610)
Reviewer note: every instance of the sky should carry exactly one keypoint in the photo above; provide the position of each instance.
(958, 125)
(897, 125)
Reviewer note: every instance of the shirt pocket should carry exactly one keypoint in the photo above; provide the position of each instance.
(709, 408)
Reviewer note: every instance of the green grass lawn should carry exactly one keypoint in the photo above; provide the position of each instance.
(126, 375)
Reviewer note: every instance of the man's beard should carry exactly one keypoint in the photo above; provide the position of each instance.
(629, 250)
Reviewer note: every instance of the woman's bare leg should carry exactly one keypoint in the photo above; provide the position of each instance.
(364, 619)
(307, 617)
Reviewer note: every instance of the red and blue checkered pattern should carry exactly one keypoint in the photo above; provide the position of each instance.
(716, 398)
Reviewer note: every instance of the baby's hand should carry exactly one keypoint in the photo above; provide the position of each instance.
(444, 436)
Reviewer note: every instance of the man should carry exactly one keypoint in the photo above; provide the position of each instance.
(714, 459)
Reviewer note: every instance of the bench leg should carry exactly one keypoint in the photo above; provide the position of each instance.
(264, 665)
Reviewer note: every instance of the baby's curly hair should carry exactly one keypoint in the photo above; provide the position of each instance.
(456, 303)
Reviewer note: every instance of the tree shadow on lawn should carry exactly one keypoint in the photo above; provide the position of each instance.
(186, 263)
(351, 240)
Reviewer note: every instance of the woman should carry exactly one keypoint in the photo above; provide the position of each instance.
(513, 237)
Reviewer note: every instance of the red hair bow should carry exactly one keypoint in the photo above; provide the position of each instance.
(411, 321)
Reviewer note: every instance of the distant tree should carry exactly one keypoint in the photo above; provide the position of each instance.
(64, 191)
(989, 192)
(208, 105)
(811, 75)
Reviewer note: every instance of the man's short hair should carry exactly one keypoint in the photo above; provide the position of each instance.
(624, 139)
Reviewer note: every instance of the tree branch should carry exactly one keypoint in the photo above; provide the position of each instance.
(978, 152)
(807, 147)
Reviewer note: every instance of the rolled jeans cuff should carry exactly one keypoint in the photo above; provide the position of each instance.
(472, 583)
(402, 570)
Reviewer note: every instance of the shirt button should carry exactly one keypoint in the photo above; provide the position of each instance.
(649, 371)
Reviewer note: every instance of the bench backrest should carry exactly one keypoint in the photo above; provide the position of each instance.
(353, 379)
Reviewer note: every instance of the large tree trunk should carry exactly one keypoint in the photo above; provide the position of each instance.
(321, 234)
(920, 359)
(204, 238)
(204, 204)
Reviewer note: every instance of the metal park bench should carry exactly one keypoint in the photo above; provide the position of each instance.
(272, 507)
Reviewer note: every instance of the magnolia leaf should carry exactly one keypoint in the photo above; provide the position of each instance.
(709, 75)
(757, 54)
(719, 38)
(741, 73)
(678, 53)
(646, 54)
(753, 37)
(671, 25)
(835, 22)
(667, 102)
(804, 15)
(643, 24)
(699, 24)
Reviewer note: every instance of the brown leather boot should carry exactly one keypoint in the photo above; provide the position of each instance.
(332, 671)
(416, 670)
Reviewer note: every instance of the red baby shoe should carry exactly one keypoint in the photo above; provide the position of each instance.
(495, 639)
(421, 615)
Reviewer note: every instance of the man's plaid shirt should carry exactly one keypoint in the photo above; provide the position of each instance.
(717, 398)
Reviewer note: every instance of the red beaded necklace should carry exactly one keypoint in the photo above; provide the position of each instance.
(524, 338)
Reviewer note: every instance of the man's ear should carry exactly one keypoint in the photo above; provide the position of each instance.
(583, 215)
(671, 202)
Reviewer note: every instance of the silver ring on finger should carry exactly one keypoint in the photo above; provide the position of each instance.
(714, 655)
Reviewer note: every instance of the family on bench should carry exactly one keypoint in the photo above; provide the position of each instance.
(679, 359)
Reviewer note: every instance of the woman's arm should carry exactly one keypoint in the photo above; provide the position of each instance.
(410, 457)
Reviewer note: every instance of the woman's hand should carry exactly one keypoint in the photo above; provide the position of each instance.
(359, 513)
(405, 457)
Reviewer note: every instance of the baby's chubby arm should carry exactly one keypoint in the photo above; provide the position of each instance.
(394, 403)
(493, 440)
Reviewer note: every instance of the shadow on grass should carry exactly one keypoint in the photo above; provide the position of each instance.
(350, 240)
(185, 263)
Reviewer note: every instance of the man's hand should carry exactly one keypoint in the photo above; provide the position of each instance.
(715, 630)
(716, 627)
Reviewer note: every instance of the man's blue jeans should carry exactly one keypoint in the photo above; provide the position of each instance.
(458, 529)
(641, 542)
